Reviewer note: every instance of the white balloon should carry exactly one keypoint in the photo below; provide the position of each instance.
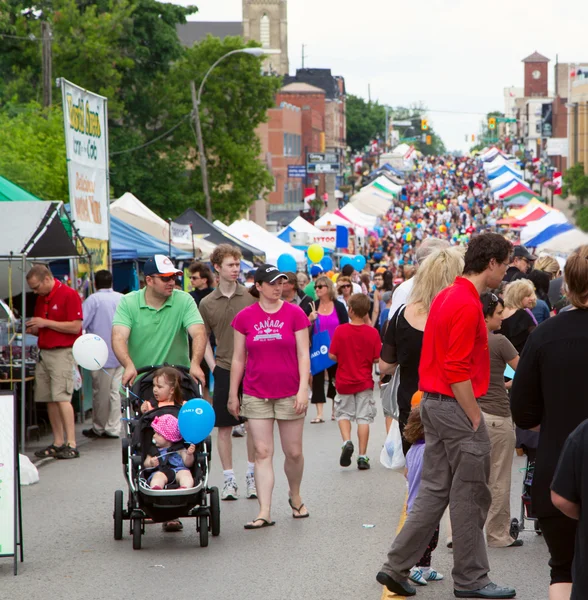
(90, 352)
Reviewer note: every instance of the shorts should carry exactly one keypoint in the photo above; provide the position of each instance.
(360, 407)
(220, 398)
(281, 409)
(54, 375)
(560, 536)
(169, 472)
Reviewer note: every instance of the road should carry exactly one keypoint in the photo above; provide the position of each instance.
(70, 552)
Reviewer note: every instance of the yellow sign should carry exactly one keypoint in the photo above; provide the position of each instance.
(98, 250)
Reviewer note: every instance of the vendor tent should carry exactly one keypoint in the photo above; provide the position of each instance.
(554, 217)
(514, 188)
(266, 241)
(358, 217)
(34, 230)
(505, 170)
(565, 242)
(298, 225)
(10, 192)
(132, 211)
(548, 234)
(332, 220)
(202, 226)
(371, 202)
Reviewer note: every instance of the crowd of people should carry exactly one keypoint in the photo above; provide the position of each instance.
(445, 303)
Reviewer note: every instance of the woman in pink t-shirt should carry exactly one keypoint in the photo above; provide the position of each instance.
(271, 349)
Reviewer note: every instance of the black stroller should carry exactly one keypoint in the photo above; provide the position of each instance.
(171, 503)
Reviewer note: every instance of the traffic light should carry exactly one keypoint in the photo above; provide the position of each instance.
(428, 140)
(424, 125)
(492, 123)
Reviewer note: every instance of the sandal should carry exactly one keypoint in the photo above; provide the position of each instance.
(50, 452)
(317, 420)
(264, 523)
(68, 452)
(172, 526)
(298, 509)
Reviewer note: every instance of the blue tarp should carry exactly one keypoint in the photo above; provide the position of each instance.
(548, 233)
(129, 243)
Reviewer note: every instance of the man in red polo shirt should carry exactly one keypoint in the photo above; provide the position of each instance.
(58, 323)
(455, 371)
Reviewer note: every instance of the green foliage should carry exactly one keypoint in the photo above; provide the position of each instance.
(367, 121)
(33, 150)
(129, 51)
(582, 218)
(485, 135)
(575, 183)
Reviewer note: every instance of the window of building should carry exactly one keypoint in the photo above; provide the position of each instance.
(264, 31)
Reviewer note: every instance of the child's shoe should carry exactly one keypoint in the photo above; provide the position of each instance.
(416, 576)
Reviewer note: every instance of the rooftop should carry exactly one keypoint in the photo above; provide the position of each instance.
(195, 31)
(321, 78)
(535, 58)
(299, 87)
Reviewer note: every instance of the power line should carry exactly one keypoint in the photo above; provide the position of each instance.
(159, 137)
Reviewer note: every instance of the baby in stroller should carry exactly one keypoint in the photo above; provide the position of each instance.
(168, 461)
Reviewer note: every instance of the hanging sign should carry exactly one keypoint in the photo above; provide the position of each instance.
(86, 144)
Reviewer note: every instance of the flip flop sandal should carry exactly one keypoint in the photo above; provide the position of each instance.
(298, 509)
(172, 526)
(264, 523)
(314, 421)
(68, 452)
(49, 452)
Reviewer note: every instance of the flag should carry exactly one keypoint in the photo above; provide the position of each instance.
(374, 146)
(358, 164)
(557, 182)
(309, 196)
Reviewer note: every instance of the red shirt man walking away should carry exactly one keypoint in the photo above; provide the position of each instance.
(454, 371)
(58, 323)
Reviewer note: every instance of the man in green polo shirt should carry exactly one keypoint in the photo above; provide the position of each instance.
(150, 326)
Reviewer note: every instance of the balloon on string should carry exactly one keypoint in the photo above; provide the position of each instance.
(196, 420)
(346, 260)
(326, 263)
(90, 352)
(359, 262)
(315, 253)
(286, 262)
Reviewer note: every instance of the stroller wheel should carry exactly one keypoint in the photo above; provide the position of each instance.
(137, 532)
(514, 529)
(214, 512)
(203, 528)
(118, 515)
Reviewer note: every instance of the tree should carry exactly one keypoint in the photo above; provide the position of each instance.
(486, 136)
(33, 150)
(575, 183)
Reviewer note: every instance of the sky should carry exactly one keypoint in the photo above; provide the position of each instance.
(454, 56)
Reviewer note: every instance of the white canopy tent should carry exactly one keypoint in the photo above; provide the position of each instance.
(332, 220)
(302, 225)
(371, 202)
(252, 233)
(566, 242)
(131, 210)
(358, 217)
(505, 178)
(554, 217)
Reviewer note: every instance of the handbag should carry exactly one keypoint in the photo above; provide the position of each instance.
(319, 351)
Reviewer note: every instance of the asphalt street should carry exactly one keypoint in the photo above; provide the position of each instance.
(70, 552)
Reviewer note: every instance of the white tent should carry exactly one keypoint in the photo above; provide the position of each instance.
(358, 217)
(505, 178)
(332, 220)
(554, 217)
(383, 183)
(301, 225)
(252, 233)
(131, 210)
(371, 202)
(566, 242)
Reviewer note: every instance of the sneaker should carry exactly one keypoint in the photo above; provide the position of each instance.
(363, 463)
(230, 490)
(416, 576)
(346, 454)
(251, 492)
(489, 591)
(432, 575)
(239, 430)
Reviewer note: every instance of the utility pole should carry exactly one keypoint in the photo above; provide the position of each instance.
(303, 56)
(201, 154)
(46, 62)
(369, 93)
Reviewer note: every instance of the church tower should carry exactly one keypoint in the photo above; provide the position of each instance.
(266, 21)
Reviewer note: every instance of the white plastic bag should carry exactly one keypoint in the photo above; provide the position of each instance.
(392, 456)
(28, 472)
(77, 379)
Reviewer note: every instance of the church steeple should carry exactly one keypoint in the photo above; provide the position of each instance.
(266, 21)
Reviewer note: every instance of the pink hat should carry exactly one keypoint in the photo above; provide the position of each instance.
(167, 426)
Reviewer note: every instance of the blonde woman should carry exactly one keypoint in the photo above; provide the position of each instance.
(404, 336)
(344, 289)
(518, 320)
(327, 314)
(549, 265)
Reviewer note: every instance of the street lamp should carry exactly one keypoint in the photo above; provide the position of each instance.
(257, 52)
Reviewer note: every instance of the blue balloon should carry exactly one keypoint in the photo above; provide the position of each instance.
(327, 263)
(359, 262)
(346, 260)
(286, 262)
(196, 420)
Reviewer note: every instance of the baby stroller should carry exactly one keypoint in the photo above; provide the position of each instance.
(171, 503)
(527, 440)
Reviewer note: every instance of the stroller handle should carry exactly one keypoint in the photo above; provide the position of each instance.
(182, 368)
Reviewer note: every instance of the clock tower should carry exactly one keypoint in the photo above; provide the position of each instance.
(536, 76)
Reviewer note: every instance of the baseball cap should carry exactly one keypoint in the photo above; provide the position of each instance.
(160, 265)
(522, 252)
(268, 274)
(315, 270)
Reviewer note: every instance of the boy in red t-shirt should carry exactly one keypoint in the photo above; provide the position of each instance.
(355, 347)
